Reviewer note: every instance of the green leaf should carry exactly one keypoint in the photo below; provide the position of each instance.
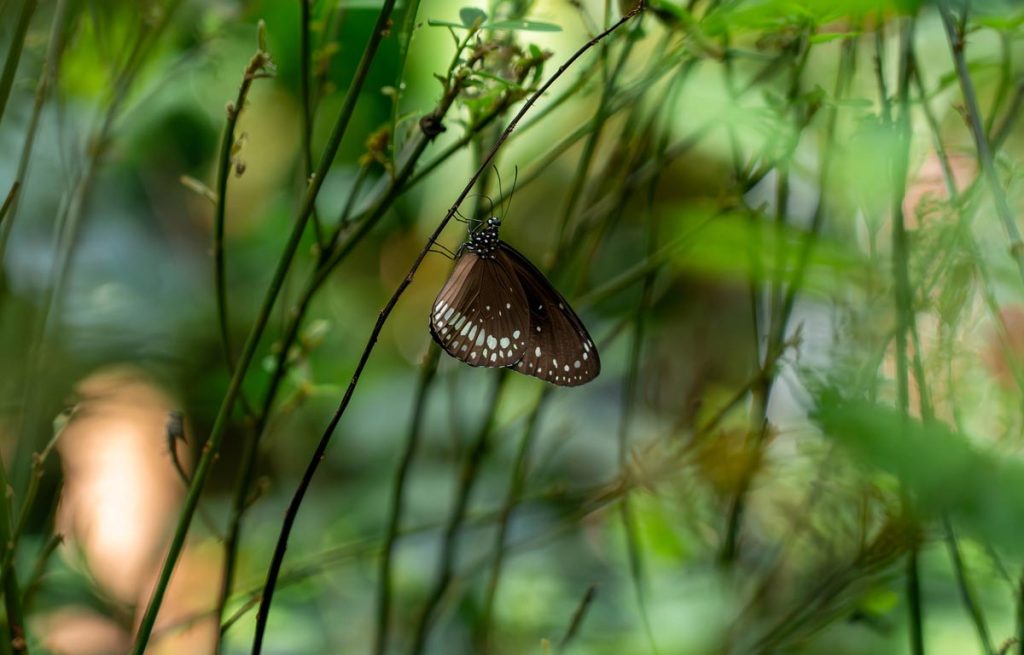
(472, 17)
(523, 26)
(825, 37)
(741, 247)
(511, 25)
(495, 78)
(945, 472)
(433, 22)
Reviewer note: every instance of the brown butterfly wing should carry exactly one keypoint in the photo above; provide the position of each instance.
(559, 349)
(480, 316)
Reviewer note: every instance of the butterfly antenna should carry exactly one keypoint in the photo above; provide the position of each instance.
(501, 192)
(515, 178)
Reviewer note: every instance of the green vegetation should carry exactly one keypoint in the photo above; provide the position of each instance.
(791, 227)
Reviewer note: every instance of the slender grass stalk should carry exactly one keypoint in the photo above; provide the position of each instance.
(259, 66)
(47, 79)
(306, 108)
(212, 446)
(28, 8)
(957, 46)
(9, 199)
(516, 485)
(35, 578)
(1013, 112)
(329, 258)
(593, 132)
(275, 567)
(404, 41)
(427, 372)
(903, 292)
(779, 317)
(577, 618)
(967, 594)
(16, 637)
(468, 475)
(68, 226)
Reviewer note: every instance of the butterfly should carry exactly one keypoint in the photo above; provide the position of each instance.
(498, 310)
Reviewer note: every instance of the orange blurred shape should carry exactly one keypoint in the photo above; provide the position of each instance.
(1004, 348)
(80, 631)
(121, 496)
(120, 488)
(928, 184)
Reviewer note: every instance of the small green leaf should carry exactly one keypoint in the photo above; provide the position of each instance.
(825, 37)
(523, 26)
(433, 22)
(946, 472)
(472, 17)
(495, 78)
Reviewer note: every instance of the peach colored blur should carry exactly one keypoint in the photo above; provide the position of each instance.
(120, 499)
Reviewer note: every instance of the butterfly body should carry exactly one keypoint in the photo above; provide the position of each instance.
(498, 310)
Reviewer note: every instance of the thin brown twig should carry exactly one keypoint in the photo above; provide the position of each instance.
(318, 454)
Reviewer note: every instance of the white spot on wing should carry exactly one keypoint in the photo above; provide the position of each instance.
(504, 342)
(491, 342)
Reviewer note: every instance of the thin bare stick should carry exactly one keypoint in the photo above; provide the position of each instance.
(293, 508)
(957, 45)
(212, 446)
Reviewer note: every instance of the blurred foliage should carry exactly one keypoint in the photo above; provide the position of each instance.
(788, 450)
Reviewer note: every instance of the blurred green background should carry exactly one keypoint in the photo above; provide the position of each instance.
(789, 225)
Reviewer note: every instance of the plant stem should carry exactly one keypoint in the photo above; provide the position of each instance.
(212, 446)
(9, 585)
(328, 260)
(28, 7)
(253, 70)
(577, 617)
(516, 484)
(293, 508)
(468, 475)
(306, 108)
(957, 45)
(47, 77)
(904, 295)
(427, 373)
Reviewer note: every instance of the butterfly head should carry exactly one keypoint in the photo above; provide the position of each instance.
(484, 241)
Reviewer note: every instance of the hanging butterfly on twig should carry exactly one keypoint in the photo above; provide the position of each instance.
(498, 310)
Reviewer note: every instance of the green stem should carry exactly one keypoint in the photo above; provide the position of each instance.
(516, 485)
(212, 446)
(28, 7)
(306, 113)
(256, 67)
(427, 373)
(957, 46)
(9, 585)
(320, 451)
(449, 545)
(47, 78)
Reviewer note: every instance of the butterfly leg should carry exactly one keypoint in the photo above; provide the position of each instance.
(441, 249)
